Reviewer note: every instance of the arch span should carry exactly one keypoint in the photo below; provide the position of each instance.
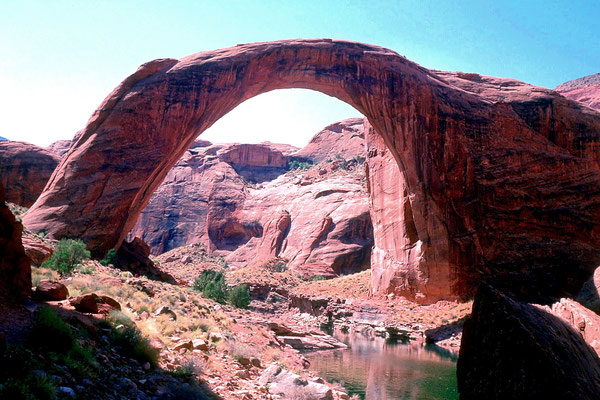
(489, 169)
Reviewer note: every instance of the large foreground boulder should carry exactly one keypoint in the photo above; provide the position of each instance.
(517, 350)
(15, 268)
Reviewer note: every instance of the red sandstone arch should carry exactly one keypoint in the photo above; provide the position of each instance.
(499, 176)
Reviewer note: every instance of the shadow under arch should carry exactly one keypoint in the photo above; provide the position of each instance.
(435, 131)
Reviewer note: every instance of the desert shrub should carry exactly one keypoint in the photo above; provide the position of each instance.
(111, 258)
(50, 332)
(316, 278)
(358, 160)
(212, 285)
(239, 296)
(67, 255)
(301, 165)
(276, 266)
(131, 340)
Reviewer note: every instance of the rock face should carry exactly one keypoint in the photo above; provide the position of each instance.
(239, 202)
(15, 269)
(586, 90)
(506, 173)
(327, 144)
(24, 170)
(60, 147)
(515, 350)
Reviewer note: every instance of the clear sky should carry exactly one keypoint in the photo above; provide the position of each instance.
(59, 59)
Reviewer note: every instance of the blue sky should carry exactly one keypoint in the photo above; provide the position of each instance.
(61, 58)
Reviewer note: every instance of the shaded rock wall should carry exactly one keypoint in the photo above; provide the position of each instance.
(15, 268)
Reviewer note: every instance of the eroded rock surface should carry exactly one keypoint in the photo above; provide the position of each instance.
(586, 90)
(517, 350)
(24, 170)
(506, 172)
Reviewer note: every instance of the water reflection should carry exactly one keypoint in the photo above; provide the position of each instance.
(376, 369)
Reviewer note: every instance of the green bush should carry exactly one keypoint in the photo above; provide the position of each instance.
(212, 285)
(131, 340)
(111, 258)
(301, 165)
(50, 332)
(318, 278)
(67, 255)
(239, 296)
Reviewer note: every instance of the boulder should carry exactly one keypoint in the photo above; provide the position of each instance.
(517, 350)
(289, 385)
(51, 290)
(134, 256)
(95, 304)
(36, 249)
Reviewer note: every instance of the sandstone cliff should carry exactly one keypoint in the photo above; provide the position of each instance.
(241, 202)
(24, 170)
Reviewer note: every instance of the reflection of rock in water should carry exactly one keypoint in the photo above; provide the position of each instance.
(378, 370)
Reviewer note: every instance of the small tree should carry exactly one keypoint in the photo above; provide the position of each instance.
(212, 285)
(239, 296)
(111, 258)
(67, 255)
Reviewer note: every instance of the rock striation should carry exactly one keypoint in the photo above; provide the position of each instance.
(24, 170)
(505, 173)
(517, 350)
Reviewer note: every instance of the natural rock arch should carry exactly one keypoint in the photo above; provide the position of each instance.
(501, 178)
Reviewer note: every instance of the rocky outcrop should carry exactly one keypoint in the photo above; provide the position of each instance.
(15, 269)
(341, 140)
(24, 170)
(507, 172)
(292, 386)
(517, 350)
(60, 147)
(134, 256)
(585, 90)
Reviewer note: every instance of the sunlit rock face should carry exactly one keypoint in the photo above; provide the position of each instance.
(241, 202)
(505, 174)
(585, 90)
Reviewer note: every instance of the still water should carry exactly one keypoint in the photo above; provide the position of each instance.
(377, 369)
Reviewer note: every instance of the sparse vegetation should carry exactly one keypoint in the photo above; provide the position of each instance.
(124, 333)
(212, 285)
(239, 296)
(68, 255)
(110, 259)
(316, 278)
(299, 165)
